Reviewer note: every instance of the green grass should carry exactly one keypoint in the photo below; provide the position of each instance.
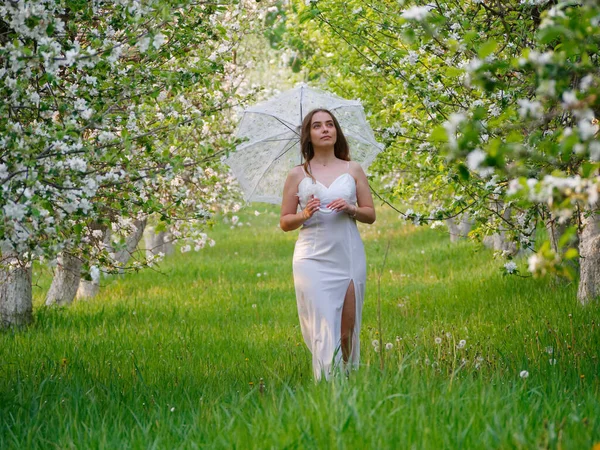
(173, 357)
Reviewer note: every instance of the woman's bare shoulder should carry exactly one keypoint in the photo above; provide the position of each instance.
(296, 173)
(356, 169)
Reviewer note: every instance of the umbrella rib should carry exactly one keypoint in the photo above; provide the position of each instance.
(267, 139)
(283, 122)
(363, 140)
(283, 152)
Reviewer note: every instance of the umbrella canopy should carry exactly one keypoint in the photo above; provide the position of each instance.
(272, 133)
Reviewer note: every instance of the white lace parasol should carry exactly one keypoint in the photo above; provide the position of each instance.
(272, 133)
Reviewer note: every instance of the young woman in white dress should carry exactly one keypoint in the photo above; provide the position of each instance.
(326, 196)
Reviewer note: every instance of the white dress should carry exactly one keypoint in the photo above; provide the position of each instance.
(329, 254)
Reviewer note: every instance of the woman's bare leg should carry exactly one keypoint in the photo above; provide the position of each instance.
(348, 321)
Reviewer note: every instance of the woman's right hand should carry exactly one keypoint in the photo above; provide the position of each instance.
(312, 207)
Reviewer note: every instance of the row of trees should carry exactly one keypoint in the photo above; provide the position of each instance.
(114, 116)
(488, 107)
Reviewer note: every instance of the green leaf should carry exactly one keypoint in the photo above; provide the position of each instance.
(572, 253)
(464, 172)
(487, 48)
(438, 135)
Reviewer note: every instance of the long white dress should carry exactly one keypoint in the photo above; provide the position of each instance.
(329, 254)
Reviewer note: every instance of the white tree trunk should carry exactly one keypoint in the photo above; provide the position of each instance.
(87, 289)
(589, 252)
(66, 281)
(465, 225)
(156, 243)
(131, 243)
(460, 230)
(453, 229)
(16, 306)
(555, 231)
(498, 241)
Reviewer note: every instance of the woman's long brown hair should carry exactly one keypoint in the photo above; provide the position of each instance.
(340, 148)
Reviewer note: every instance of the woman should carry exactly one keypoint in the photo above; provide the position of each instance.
(329, 259)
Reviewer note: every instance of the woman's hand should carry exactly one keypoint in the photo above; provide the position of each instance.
(340, 205)
(312, 207)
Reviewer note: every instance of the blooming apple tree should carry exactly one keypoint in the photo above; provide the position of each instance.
(111, 112)
(487, 107)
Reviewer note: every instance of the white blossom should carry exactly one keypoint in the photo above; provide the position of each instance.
(159, 40)
(14, 210)
(511, 267)
(417, 12)
(529, 108)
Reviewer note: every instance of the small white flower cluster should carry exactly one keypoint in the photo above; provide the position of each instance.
(510, 267)
(418, 13)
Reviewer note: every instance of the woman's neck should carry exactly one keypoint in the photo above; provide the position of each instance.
(323, 157)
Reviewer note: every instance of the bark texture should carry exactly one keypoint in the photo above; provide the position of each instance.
(498, 241)
(66, 281)
(131, 243)
(459, 229)
(158, 242)
(589, 251)
(16, 307)
(87, 289)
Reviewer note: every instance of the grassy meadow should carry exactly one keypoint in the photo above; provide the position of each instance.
(205, 351)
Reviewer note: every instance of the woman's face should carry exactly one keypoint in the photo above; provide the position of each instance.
(322, 130)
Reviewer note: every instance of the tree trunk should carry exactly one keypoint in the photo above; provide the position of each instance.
(131, 243)
(66, 281)
(16, 306)
(498, 241)
(465, 225)
(87, 289)
(461, 230)
(156, 243)
(555, 231)
(452, 229)
(589, 252)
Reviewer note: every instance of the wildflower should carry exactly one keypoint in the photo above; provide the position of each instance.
(462, 343)
(254, 306)
(389, 346)
(375, 343)
(172, 409)
(511, 267)
(524, 374)
(259, 274)
(552, 361)
(549, 350)
(438, 340)
(398, 338)
(256, 213)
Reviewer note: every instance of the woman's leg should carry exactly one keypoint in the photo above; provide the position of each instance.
(348, 321)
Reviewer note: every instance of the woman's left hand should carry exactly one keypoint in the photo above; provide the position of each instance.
(340, 204)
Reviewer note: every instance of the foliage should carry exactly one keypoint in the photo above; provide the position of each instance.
(113, 111)
(481, 103)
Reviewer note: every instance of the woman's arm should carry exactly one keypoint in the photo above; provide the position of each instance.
(290, 219)
(365, 211)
